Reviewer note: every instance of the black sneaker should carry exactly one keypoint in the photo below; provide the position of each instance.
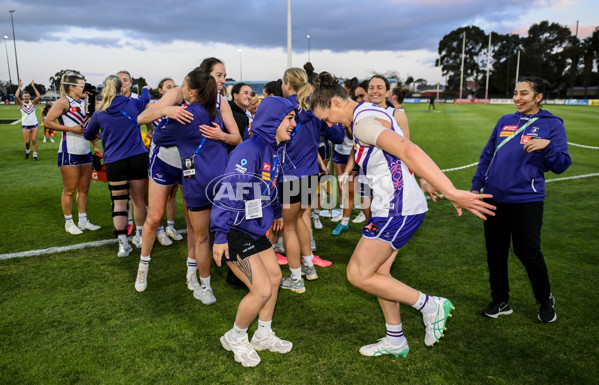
(35, 157)
(495, 309)
(26, 155)
(547, 310)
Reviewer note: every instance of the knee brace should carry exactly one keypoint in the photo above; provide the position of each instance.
(118, 197)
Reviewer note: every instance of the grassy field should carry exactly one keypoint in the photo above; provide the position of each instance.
(74, 317)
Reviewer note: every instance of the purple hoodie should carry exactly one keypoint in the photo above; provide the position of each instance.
(251, 173)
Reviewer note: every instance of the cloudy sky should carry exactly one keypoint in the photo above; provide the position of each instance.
(159, 38)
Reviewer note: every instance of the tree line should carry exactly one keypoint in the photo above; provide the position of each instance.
(549, 51)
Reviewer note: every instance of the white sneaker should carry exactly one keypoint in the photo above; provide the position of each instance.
(243, 351)
(45, 139)
(205, 295)
(192, 280)
(338, 218)
(124, 250)
(359, 218)
(271, 342)
(136, 240)
(383, 347)
(141, 282)
(71, 227)
(173, 233)
(435, 322)
(87, 225)
(52, 139)
(316, 221)
(164, 239)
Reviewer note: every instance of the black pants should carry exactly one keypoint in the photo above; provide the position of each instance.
(522, 223)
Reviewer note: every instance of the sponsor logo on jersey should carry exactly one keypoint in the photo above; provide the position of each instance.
(266, 167)
(510, 128)
(505, 133)
(265, 175)
(525, 139)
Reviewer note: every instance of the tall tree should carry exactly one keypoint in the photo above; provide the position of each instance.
(450, 51)
(545, 54)
(503, 74)
(55, 80)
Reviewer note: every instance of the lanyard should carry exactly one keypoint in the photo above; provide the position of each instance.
(272, 172)
(199, 147)
(130, 118)
(531, 121)
(294, 131)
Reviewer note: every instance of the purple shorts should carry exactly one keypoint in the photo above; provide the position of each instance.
(395, 230)
(66, 159)
(163, 173)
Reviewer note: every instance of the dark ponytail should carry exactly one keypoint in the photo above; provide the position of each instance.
(205, 86)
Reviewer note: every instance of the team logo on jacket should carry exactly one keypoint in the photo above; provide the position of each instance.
(239, 167)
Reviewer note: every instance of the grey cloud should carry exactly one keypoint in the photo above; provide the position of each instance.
(337, 25)
(107, 42)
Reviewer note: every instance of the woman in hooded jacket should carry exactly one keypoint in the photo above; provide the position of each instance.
(125, 156)
(245, 207)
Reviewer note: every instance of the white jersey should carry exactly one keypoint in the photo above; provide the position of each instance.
(28, 117)
(71, 142)
(394, 187)
(345, 147)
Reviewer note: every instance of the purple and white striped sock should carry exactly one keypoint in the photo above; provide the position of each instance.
(425, 304)
(395, 335)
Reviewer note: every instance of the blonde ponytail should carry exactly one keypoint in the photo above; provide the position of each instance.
(112, 88)
(298, 79)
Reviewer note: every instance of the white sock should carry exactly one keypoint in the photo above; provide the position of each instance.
(345, 221)
(308, 260)
(123, 239)
(296, 274)
(68, 218)
(138, 230)
(425, 304)
(191, 265)
(34, 153)
(205, 282)
(395, 335)
(317, 212)
(160, 229)
(27, 151)
(144, 262)
(237, 333)
(170, 224)
(82, 217)
(264, 327)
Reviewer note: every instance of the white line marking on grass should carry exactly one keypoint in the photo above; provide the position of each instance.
(583, 146)
(60, 249)
(16, 121)
(570, 177)
(461, 167)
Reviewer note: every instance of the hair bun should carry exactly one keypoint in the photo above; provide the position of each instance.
(309, 68)
(325, 79)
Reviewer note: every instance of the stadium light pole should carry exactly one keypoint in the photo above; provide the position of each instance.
(488, 66)
(462, 70)
(14, 40)
(288, 33)
(240, 66)
(308, 37)
(7, 61)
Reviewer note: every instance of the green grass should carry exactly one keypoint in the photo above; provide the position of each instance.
(74, 317)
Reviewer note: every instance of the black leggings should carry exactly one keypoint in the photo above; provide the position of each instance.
(520, 222)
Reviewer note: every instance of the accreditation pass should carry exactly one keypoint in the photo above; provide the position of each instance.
(253, 209)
